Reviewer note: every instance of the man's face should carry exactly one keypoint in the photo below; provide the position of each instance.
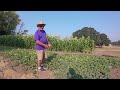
(41, 27)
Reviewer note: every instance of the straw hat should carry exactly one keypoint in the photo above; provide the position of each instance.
(41, 23)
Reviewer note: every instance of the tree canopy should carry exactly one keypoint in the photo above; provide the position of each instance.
(8, 22)
(99, 39)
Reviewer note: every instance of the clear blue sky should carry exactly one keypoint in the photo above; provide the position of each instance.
(64, 23)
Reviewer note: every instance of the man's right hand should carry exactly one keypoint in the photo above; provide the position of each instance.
(46, 46)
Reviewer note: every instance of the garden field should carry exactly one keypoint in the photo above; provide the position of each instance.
(80, 61)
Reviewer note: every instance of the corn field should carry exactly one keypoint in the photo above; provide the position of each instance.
(67, 44)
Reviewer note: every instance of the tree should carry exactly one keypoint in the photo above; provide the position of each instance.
(86, 31)
(116, 43)
(8, 22)
(99, 39)
(104, 39)
(107, 42)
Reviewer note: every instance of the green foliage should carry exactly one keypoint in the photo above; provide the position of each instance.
(22, 56)
(116, 43)
(66, 66)
(8, 22)
(71, 44)
(99, 39)
(73, 66)
(17, 41)
(104, 39)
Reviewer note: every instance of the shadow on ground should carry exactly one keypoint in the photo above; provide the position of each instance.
(5, 48)
(72, 74)
(50, 58)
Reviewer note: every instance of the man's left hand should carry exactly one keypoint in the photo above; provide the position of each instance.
(49, 45)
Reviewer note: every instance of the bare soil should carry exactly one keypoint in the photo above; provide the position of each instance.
(111, 51)
(10, 70)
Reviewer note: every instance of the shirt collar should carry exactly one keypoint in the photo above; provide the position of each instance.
(40, 30)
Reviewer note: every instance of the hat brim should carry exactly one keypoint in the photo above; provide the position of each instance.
(38, 25)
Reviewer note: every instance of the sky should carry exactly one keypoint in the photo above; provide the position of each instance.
(64, 23)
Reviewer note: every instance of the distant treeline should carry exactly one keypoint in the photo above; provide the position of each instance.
(116, 43)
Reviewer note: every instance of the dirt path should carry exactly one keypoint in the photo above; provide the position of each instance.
(108, 51)
(10, 70)
(115, 73)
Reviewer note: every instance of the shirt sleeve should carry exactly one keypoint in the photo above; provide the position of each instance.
(36, 36)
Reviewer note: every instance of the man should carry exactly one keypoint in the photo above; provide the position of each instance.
(42, 44)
